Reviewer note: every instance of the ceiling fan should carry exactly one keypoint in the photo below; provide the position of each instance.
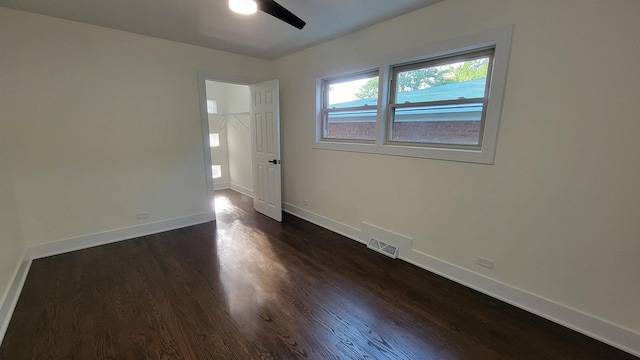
(268, 6)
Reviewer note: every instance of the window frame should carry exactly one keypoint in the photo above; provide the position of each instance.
(393, 93)
(499, 39)
(325, 110)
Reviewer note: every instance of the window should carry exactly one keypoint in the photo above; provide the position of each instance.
(216, 171)
(212, 107)
(214, 139)
(350, 107)
(440, 101)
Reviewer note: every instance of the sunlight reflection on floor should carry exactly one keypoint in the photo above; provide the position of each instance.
(222, 203)
(266, 301)
(250, 273)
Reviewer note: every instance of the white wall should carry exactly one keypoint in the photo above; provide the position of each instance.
(107, 124)
(558, 212)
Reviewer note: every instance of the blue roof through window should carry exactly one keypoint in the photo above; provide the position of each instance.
(466, 89)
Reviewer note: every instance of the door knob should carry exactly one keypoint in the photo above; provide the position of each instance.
(274, 161)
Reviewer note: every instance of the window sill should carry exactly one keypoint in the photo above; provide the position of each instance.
(483, 156)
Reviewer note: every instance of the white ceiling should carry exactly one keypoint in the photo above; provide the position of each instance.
(211, 24)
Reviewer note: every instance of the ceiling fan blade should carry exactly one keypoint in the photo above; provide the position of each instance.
(274, 9)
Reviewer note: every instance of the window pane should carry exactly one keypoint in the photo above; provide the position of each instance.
(353, 93)
(457, 124)
(214, 139)
(212, 106)
(453, 81)
(216, 171)
(353, 125)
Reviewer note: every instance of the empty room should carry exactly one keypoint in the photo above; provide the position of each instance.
(312, 179)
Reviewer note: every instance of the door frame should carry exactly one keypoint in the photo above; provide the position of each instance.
(203, 76)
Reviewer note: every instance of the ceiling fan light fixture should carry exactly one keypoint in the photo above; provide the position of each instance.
(244, 7)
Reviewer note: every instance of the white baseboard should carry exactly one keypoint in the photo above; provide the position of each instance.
(242, 190)
(602, 330)
(106, 237)
(221, 186)
(325, 222)
(10, 300)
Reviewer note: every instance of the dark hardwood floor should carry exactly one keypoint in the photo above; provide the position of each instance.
(247, 287)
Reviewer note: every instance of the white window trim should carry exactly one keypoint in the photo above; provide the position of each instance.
(500, 38)
(324, 106)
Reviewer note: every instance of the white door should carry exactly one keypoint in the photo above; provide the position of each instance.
(265, 136)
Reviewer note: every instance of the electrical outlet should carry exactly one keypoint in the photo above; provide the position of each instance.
(305, 203)
(142, 215)
(485, 262)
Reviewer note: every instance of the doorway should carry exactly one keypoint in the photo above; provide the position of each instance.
(228, 108)
(241, 138)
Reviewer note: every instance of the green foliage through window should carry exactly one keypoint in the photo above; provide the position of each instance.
(417, 79)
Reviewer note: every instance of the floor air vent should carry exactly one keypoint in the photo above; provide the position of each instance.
(383, 248)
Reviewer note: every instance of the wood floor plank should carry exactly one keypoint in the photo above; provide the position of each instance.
(246, 287)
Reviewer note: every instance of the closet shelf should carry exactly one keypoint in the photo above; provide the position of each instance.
(235, 115)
